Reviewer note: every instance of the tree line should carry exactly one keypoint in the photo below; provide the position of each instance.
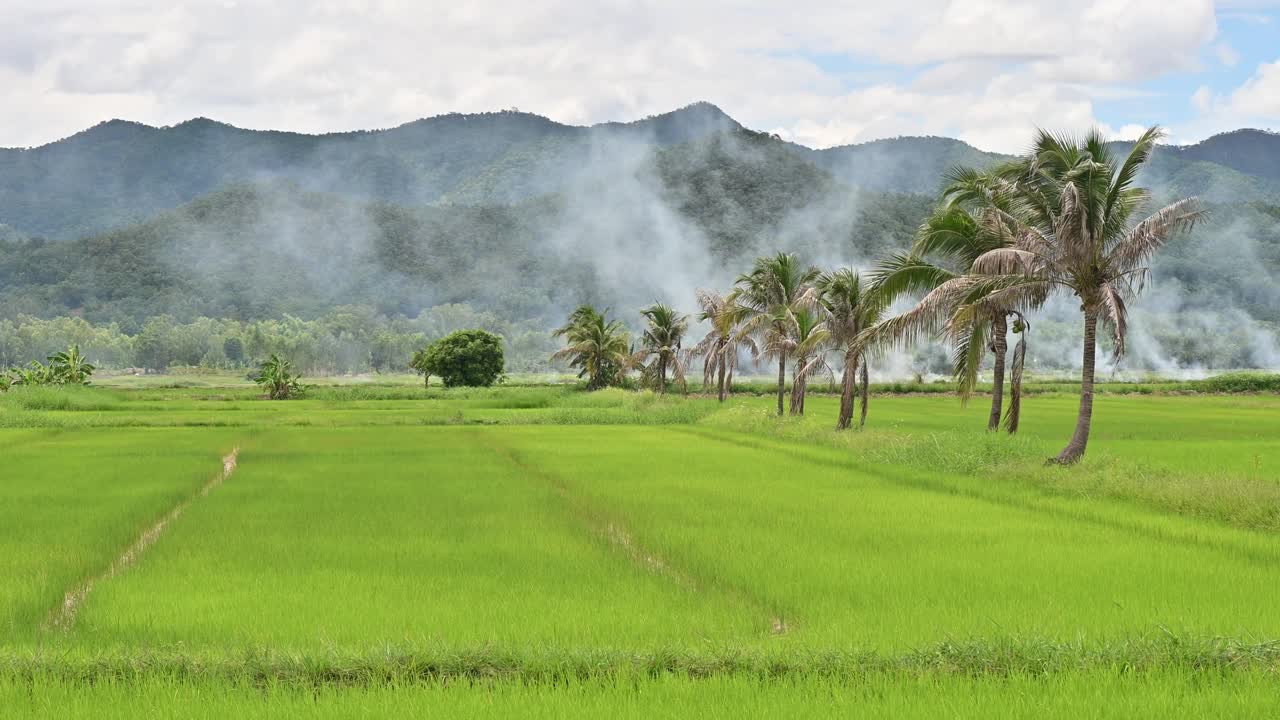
(1067, 217)
(349, 339)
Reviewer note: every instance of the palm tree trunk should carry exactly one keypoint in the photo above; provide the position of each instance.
(866, 393)
(848, 384)
(847, 381)
(782, 381)
(999, 347)
(720, 369)
(797, 389)
(1080, 439)
(662, 374)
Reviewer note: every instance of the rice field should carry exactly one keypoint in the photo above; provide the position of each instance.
(374, 550)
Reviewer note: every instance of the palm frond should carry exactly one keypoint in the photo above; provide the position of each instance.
(1128, 172)
(1138, 245)
(1013, 415)
(1115, 316)
(969, 345)
(904, 273)
(1007, 261)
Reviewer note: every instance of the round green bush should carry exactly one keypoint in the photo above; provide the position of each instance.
(466, 358)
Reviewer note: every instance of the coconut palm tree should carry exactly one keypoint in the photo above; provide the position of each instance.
(722, 344)
(599, 347)
(1079, 207)
(661, 341)
(811, 338)
(765, 302)
(978, 215)
(850, 307)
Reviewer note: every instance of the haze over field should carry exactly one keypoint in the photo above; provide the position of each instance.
(522, 218)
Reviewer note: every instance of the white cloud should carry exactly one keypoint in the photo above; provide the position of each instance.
(1227, 55)
(987, 71)
(1259, 96)
(1255, 103)
(1125, 132)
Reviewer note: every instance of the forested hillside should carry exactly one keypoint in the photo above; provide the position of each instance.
(120, 173)
(519, 217)
(685, 216)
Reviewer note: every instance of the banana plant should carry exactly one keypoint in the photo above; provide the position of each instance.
(70, 367)
(277, 377)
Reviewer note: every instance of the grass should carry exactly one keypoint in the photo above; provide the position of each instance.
(1246, 381)
(1212, 457)
(1096, 694)
(69, 502)
(544, 550)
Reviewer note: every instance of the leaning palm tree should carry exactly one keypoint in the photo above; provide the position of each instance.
(765, 302)
(811, 338)
(661, 341)
(1079, 208)
(598, 347)
(978, 215)
(721, 346)
(850, 307)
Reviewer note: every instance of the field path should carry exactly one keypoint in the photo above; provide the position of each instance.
(64, 616)
(608, 525)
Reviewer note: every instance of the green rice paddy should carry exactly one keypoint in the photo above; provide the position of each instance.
(540, 551)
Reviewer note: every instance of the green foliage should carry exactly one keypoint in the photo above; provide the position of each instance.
(345, 339)
(62, 398)
(663, 334)
(597, 346)
(1241, 382)
(233, 349)
(71, 367)
(277, 377)
(68, 367)
(465, 358)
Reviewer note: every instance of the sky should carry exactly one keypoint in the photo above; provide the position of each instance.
(819, 73)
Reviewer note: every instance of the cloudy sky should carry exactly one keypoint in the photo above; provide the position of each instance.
(821, 73)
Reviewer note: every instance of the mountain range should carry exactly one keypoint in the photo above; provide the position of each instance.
(120, 172)
(506, 210)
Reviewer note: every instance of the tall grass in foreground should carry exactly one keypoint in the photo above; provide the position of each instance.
(1095, 694)
(59, 397)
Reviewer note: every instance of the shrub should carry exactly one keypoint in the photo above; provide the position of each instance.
(1241, 382)
(466, 358)
(276, 376)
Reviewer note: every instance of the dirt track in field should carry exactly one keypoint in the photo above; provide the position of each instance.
(64, 616)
